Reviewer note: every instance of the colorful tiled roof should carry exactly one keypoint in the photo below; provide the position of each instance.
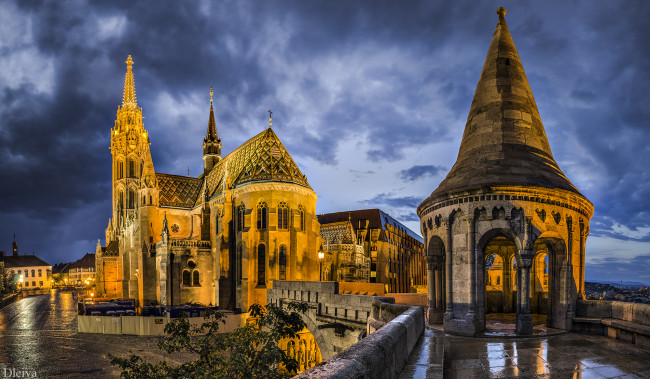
(178, 191)
(261, 158)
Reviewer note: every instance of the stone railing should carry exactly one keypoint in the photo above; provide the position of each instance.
(190, 243)
(628, 322)
(395, 329)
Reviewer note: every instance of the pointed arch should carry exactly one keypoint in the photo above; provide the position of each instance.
(283, 216)
(262, 215)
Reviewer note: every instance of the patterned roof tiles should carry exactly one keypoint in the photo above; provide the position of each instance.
(178, 191)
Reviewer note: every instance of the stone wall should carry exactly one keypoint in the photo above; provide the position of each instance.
(628, 322)
(382, 354)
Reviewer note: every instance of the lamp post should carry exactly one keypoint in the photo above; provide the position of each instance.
(321, 255)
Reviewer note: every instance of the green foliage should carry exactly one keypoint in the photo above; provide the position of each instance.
(57, 279)
(251, 351)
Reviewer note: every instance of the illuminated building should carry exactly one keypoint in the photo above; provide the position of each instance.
(396, 253)
(34, 272)
(221, 238)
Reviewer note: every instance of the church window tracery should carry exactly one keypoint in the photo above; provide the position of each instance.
(131, 198)
(283, 216)
(262, 215)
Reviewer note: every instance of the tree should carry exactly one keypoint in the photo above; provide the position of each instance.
(251, 351)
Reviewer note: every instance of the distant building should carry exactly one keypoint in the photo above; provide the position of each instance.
(344, 259)
(82, 269)
(29, 271)
(60, 274)
(396, 253)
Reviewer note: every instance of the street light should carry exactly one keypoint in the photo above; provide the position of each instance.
(321, 255)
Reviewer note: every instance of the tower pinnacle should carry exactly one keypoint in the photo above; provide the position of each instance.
(270, 118)
(211, 142)
(129, 85)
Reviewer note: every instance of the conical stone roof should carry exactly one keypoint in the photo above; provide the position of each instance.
(504, 143)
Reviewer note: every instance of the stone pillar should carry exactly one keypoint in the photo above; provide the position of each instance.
(571, 283)
(435, 316)
(439, 287)
(449, 312)
(471, 314)
(524, 262)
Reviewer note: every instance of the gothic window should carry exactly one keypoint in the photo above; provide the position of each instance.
(195, 278)
(40, 273)
(120, 203)
(283, 262)
(241, 212)
(131, 198)
(262, 215)
(301, 213)
(186, 277)
(261, 265)
(283, 216)
(131, 168)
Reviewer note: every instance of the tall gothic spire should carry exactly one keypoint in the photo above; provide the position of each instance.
(504, 142)
(211, 135)
(129, 85)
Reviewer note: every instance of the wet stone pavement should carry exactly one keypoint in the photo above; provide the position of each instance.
(566, 355)
(38, 334)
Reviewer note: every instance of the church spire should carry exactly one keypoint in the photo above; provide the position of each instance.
(211, 142)
(211, 135)
(129, 85)
(504, 142)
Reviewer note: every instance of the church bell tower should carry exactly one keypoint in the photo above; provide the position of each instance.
(211, 143)
(129, 148)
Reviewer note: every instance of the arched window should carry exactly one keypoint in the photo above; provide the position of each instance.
(186, 277)
(150, 200)
(283, 263)
(131, 198)
(283, 216)
(261, 265)
(33, 273)
(195, 278)
(301, 213)
(144, 200)
(262, 215)
(217, 221)
(26, 273)
(240, 217)
(40, 273)
(131, 168)
(120, 202)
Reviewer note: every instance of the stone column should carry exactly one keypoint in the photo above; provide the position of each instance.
(435, 316)
(524, 262)
(439, 286)
(471, 314)
(571, 287)
(449, 313)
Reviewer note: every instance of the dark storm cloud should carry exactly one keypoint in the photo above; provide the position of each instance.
(417, 172)
(392, 77)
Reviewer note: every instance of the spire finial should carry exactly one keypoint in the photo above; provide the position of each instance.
(211, 92)
(501, 12)
(270, 118)
(129, 84)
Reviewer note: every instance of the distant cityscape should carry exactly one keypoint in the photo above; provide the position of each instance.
(631, 292)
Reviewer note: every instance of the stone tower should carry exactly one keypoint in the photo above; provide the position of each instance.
(211, 142)
(505, 201)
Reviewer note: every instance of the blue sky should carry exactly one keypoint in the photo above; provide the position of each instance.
(369, 97)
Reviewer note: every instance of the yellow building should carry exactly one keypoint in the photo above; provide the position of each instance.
(344, 258)
(396, 253)
(221, 238)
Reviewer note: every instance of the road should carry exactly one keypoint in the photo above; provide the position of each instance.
(38, 334)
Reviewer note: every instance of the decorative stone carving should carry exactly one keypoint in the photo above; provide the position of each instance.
(541, 214)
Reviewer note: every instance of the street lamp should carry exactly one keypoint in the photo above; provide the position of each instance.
(321, 255)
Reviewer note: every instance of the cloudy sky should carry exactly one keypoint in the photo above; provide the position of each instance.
(369, 97)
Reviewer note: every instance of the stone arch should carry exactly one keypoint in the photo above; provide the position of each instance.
(487, 236)
(560, 292)
(435, 247)
(326, 349)
(503, 301)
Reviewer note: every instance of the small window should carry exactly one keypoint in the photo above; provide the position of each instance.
(26, 273)
(302, 217)
(26, 284)
(262, 215)
(191, 265)
(240, 217)
(40, 284)
(34, 283)
(195, 278)
(40, 273)
(186, 278)
(283, 216)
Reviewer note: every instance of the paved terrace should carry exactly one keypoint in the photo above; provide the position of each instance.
(566, 355)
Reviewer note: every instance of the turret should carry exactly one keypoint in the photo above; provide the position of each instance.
(15, 246)
(211, 142)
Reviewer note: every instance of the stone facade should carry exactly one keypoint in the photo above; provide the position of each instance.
(505, 200)
(221, 238)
